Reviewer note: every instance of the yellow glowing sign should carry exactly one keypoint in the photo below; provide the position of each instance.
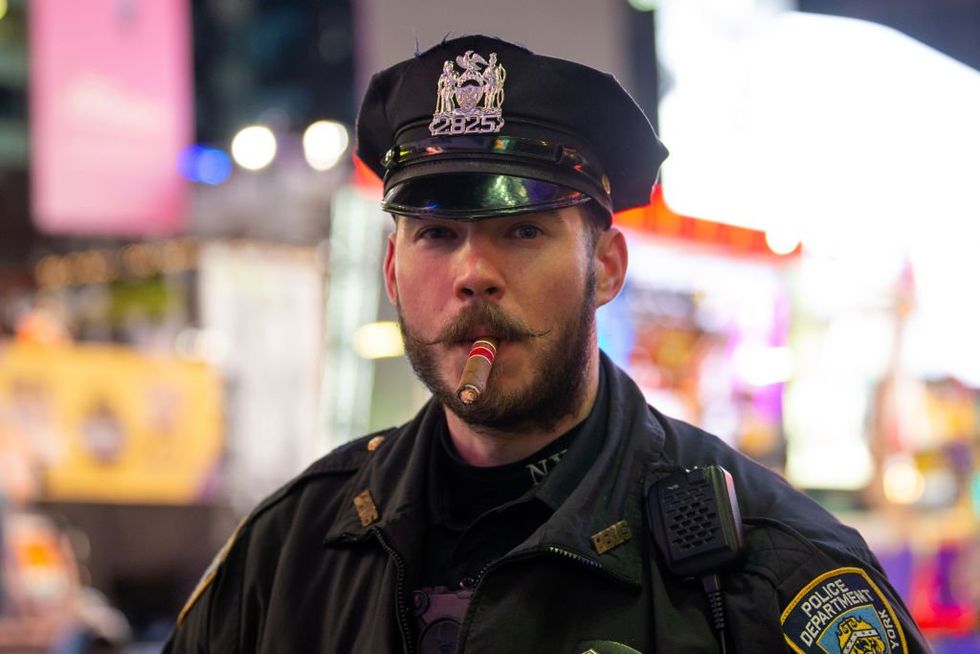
(110, 424)
(378, 340)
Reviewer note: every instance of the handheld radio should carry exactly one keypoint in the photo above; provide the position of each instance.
(697, 526)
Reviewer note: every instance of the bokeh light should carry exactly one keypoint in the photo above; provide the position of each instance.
(254, 147)
(378, 340)
(782, 241)
(204, 164)
(903, 481)
(324, 143)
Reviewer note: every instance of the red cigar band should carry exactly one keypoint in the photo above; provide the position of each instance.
(481, 351)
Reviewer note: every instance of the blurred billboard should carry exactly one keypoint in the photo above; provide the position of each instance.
(107, 424)
(110, 110)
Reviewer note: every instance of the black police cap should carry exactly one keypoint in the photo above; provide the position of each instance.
(477, 127)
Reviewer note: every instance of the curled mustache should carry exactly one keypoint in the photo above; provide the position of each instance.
(489, 319)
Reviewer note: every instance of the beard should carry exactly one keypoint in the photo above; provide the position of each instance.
(557, 384)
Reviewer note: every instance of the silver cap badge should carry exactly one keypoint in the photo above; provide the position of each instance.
(469, 101)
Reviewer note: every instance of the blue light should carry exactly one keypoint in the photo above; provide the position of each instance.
(199, 163)
(975, 493)
(185, 162)
(214, 166)
(614, 326)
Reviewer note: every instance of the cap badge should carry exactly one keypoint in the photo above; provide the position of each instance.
(469, 101)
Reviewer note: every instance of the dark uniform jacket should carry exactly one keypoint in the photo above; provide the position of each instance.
(325, 564)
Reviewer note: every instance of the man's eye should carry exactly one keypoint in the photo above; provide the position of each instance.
(527, 231)
(434, 233)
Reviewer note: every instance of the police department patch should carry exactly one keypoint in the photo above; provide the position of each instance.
(209, 574)
(842, 612)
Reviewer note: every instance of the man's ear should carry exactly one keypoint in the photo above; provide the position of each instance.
(391, 286)
(611, 259)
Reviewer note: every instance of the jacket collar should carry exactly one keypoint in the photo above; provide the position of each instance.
(394, 475)
(612, 488)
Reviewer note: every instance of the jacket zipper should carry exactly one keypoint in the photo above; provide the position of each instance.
(400, 607)
(578, 558)
(551, 549)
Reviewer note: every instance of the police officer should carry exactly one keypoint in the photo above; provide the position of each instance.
(518, 522)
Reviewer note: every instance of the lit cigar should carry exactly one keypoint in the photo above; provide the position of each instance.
(473, 381)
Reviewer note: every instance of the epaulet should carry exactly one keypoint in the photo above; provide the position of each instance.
(350, 456)
(345, 459)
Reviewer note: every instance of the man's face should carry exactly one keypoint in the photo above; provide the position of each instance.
(533, 281)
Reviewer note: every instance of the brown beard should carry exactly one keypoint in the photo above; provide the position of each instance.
(557, 388)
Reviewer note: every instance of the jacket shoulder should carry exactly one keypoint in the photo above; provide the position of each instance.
(290, 508)
(338, 464)
(762, 493)
(313, 499)
(805, 555)
(813, 589)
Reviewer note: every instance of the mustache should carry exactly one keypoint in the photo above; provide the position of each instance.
(490, 320)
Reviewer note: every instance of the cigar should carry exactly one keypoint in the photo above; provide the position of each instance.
(473, 381)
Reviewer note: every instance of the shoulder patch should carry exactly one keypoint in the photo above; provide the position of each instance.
(209, 574)
(842, 612)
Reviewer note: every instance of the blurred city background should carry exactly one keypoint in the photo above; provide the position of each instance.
(190, 305)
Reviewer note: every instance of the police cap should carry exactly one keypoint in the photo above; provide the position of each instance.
(477, 127)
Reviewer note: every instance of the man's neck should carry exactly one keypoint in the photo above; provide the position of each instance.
(485, 447)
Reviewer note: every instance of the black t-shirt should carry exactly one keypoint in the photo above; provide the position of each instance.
(473, 504)
(477, 515)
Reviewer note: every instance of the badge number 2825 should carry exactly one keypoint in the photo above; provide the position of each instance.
(441, 125)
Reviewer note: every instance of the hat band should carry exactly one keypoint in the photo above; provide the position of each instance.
(504, 147)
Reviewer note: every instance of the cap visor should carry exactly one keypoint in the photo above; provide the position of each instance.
(473, 196)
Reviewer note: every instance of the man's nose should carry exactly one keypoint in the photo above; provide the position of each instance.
(478, 274)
